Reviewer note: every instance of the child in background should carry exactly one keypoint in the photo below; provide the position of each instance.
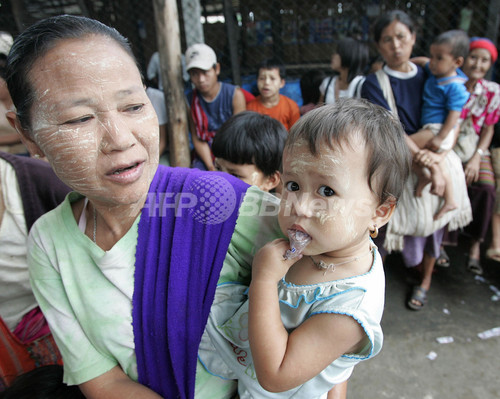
(305, 322)
(270, 102)
(309, 88)
(350, 61)
(249, 146)
(444, 96)
(212, 102)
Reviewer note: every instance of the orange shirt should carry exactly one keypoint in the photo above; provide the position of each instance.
(287, 110)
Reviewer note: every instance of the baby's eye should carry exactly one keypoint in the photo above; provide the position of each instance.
(292, 186)
(326, 191)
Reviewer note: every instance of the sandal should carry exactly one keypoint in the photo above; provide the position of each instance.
(493, 254)
(444, 259)
(418, 294)
(474, 266)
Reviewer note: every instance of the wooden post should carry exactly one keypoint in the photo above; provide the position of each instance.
(232, 38)
(169, 48)
(18, 13)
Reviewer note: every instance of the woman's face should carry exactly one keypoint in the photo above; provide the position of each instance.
(93, 120)
(336, 63)
(477, 63)
(395, 45)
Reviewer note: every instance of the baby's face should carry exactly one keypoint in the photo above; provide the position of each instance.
(328, 197)
(442, 62)
(249, 173)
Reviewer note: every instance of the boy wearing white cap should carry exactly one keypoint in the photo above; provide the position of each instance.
(212, 102)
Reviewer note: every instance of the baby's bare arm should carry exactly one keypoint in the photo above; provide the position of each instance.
(284, 361)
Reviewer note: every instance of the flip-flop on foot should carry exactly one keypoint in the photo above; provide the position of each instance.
(474, 266)
(444, 259)
(418, 298)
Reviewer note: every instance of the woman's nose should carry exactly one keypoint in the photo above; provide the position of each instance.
(117, 135)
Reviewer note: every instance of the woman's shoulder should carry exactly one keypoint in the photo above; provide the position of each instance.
(60, 214)
(490, 86)
(55, 226)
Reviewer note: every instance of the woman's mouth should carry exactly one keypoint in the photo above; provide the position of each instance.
(125, 174)
(121, 170)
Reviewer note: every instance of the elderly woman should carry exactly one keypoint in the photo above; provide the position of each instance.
(126, 267)
(480, 115)
(398, 86)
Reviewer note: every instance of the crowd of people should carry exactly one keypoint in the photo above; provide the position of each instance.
(257, 272)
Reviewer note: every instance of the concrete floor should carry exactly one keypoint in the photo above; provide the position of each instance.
(459, 305)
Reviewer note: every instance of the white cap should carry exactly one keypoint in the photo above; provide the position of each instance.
(6, 41)
(200, 56)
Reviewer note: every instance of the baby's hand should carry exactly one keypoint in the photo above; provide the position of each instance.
(427, 158)
(269, 263)
(434, 144)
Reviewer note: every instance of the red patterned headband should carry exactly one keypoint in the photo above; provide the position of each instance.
(486, 44)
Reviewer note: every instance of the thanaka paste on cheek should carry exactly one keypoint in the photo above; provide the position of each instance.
(254, 178)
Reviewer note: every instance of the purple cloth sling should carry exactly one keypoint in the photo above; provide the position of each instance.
(184, 233)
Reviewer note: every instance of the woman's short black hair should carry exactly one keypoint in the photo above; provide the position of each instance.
(354, 55)
(36, 41)
(386, 19)
(309, 86)
(251, 138)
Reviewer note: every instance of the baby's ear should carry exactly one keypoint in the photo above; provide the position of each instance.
(459, 61)
(271, 181)
(384, 212)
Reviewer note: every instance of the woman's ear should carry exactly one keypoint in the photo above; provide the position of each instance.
(32, 147)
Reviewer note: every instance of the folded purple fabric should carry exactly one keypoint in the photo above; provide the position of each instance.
(184, 233)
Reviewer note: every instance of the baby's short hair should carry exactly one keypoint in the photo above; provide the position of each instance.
(458, 41)
(251, 138)
(336, 124)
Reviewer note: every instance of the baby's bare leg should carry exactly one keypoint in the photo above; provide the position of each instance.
(339, 391)
(449, 200)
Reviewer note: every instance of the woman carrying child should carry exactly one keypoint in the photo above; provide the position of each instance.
(398, 86)
(349, 61)
(309, 318)
(479, 116)
(125, 269)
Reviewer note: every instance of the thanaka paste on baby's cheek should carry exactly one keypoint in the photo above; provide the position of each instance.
(327, 196)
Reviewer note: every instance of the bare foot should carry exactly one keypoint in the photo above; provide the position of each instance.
(447, 207)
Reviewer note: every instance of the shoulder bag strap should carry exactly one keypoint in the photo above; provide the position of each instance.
(385, 85)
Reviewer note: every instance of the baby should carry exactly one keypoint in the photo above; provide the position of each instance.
(315, 302)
